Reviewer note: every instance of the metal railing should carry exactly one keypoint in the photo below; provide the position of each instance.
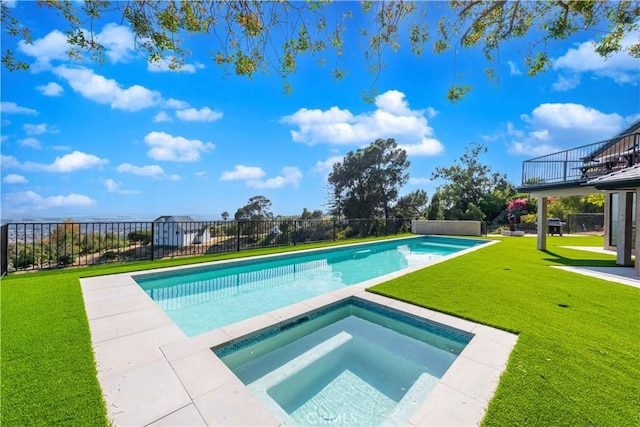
(40, 246)
(581, 164)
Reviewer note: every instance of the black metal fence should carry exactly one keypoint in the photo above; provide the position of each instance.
(585, 223)
(39, 246)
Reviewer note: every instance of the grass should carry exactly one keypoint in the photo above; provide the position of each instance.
(573, 365)
(47, 368)
(577, 360)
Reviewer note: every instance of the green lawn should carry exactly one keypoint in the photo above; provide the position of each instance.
(577, 361)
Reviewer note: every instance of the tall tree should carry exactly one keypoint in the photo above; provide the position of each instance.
(258, 208)
(306, 214)
(435, 209)
(466, 183)
(367, 181)
(246, 37)
(412, 205)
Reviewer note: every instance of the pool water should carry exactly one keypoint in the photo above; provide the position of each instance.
(353, 363)
(201, 299)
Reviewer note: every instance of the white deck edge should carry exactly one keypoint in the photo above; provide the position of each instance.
(151, 373)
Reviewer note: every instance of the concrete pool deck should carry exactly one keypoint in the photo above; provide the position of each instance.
(151, 373)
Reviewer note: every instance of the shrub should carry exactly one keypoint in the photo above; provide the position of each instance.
(528, 222)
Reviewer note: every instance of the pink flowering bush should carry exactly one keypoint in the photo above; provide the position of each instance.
(517, 204)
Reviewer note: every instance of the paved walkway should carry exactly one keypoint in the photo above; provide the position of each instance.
(151, 373)
(624, 275)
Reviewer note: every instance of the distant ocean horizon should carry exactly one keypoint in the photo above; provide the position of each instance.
(101, 218)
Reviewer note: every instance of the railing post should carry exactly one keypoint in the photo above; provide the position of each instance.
(295, 231)
(153, 245)
(238, 235)
(4, 249)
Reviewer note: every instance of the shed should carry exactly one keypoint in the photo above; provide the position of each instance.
(179, 230)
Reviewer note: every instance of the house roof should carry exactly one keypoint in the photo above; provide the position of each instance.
(618, 138)
(625, 178)
(173, 218)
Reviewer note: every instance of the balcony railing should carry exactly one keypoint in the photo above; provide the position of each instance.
(581, 164)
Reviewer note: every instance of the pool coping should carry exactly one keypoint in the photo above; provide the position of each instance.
(151, 373)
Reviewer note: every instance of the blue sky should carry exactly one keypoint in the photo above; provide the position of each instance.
(125, 138)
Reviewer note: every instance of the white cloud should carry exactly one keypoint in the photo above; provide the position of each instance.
(203, 115)
(575, 116)
(566, 83)
(13, 178)
(118, 42)
(149, 170)
(32, 200)
(419, 181)
(12, 108)
(513, 69)
(115, 187)
(201, 174)
(163, 65)
(107, 91)
(68, 163)
(61, 148)
(51, 47)
(553, 127)
(392, 119)
(291, 176)
(111, 185)
(30, 143)
(326, 167)
(7, 162)
(32, 129)
(153, 171)
(162, 117)
(175, 148)
(619, 66)
(176, 104)
(426, 147)
(50, 89)
(241, 172)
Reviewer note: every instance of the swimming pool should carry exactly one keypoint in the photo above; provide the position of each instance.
(200, 299)
(351, 363)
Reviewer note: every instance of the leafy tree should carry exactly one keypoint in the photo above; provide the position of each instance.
(246, 37)
(467, 182)
(561, 207)
(493, 204)
(316, 214)
(412, 205)
(225, 215)
(435, 209)
(473, 213)
(143, 237)
(366, 183)
(258, 208)
(65, 242)
(595, 200)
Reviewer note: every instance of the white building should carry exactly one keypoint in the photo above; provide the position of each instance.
(179, 230)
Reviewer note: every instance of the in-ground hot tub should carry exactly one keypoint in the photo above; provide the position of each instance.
(350, 363)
